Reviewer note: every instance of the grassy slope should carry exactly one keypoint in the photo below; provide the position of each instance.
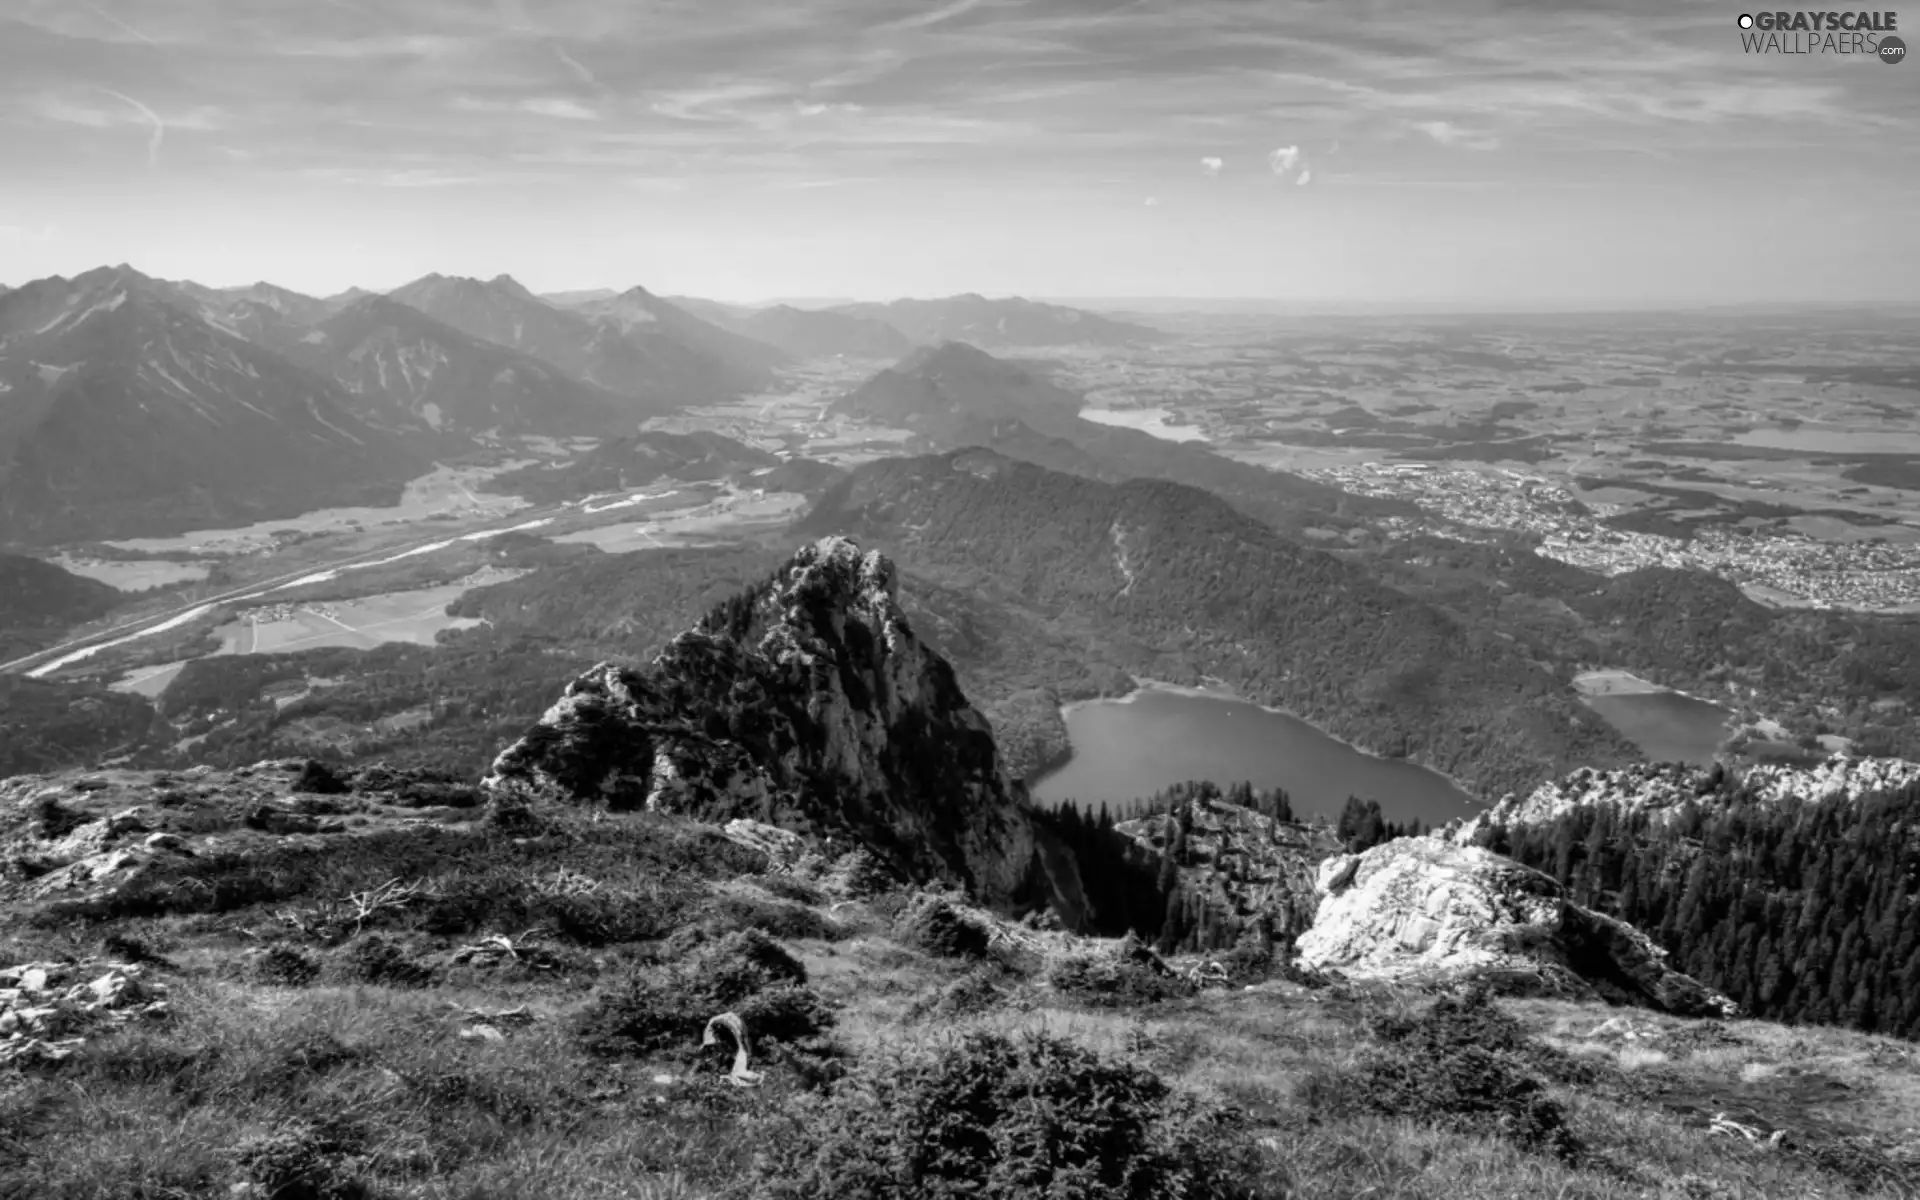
(373, 1080)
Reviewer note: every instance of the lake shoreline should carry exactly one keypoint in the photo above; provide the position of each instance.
(1616, 681)
(1221, 690)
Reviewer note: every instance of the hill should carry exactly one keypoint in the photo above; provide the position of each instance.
(638, 310)
(1159, 578)
(129, 415)
(632, 359)
(1855, 675)
(818, 333)
(1001, 322)
(623, 463)
(39, 601)
(940, 392)
(410, 370)
(956, 395)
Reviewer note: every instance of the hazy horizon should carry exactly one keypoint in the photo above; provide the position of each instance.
(1504, 156)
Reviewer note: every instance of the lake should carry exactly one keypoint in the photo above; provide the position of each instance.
(1832, 441)
(1156, 421)
(1667, 726)
(1125, 750)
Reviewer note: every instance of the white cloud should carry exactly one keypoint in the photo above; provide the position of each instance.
(1305, 175)
(1449, 134)
(556, 106)
(1284, 159)
(1211, 165)
(1152, 202)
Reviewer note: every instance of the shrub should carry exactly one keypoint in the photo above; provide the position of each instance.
(788, 888)
(53, 820)
(376, 959)
(746, 972)
(1131, 974)
(287, 966)
(933, 924)
(1460, 1065)
(972, 993)
(993, 1118)
(317, 777)
(780, 919)
(304, 1160)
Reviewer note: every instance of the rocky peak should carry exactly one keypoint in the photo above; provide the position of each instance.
(1423, 910)
(806, 702)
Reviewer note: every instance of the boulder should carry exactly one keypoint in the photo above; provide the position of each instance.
(1424, 910)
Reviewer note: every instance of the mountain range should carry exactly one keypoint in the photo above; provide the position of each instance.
(1001, 322)
(127, 413)
(417, 371)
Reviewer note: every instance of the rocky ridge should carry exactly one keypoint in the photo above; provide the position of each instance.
(1239, 863)
(806, 703)
(1422, 910)
(95, 839)
(1661, 787)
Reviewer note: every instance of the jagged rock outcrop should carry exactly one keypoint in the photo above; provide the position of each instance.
(807, 703)
(1422, 910)
(1238, 863)
(94, 837)
(1660, 787)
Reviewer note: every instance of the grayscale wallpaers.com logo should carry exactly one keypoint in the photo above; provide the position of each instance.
(1823, 33)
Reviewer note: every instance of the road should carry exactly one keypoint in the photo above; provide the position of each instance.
(75, 649)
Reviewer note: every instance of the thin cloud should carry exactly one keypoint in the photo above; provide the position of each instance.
(1211, 164)
(1283, 160)
(1306, 175)
(937, 16)
(116, 22)
(153, 118)
(579, 70)
(1153, 202)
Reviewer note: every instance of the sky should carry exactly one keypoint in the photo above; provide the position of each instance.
(1482, 152)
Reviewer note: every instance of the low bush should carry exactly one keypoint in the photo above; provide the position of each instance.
(286, 966)
(747, 973)
(1130, 975)
(783, 920)
(1461, 1065)
(932, 924)
(994, 1118)
(304, 1160)
(373, 958)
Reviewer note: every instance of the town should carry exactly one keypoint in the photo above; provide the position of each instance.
(1780, 569)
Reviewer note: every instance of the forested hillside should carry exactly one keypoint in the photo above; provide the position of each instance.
(1852, 674)
(1805, 912)
(1169, 581)
(39, 600)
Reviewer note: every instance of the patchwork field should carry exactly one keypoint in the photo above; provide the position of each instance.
(414, 616)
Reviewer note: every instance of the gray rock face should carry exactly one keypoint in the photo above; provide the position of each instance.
(1424, 910)
(806, 703)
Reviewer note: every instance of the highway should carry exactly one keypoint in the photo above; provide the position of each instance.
(43, 662)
